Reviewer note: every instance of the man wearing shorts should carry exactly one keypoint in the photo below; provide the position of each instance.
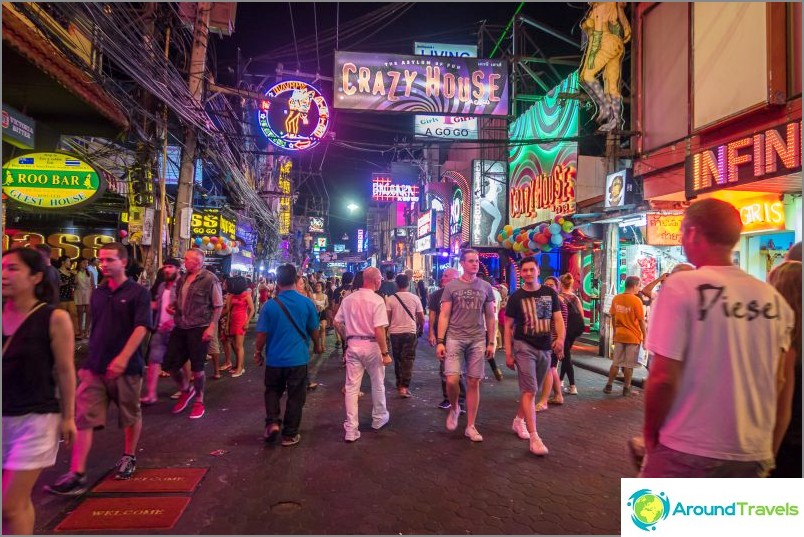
(628, 326)
(464, 340)
(532, 312)
(198, 307)
(121, 318)
(163, 326)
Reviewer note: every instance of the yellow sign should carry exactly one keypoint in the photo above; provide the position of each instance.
(73, 245)
(210, 222)
(50, 180)
(762, 214)
(664, 229)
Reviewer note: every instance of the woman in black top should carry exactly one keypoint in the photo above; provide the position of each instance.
(37, 341)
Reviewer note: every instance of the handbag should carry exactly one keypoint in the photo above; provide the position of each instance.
(287, 314)
(419, 330)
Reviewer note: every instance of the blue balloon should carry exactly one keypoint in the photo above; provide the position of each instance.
(558, 240)
(555, 229)
(198, 241)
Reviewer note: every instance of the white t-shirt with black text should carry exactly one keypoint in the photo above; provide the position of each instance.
(730, 330)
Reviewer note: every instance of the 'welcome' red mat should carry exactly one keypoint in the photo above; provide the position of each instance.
(96, 514)
(154, 480)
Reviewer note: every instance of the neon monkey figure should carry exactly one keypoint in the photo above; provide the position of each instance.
(298, 105)
(608, 30)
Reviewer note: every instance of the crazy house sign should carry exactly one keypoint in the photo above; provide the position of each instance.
(542, 175)
(435, 85)
(295, 116)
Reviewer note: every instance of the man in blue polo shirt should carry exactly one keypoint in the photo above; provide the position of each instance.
(286, 324)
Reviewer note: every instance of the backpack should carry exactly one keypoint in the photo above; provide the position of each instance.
(575, 323)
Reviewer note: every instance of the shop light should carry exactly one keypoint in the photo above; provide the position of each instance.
(640, 221)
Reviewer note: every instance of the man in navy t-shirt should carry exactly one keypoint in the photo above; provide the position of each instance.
(283, 335)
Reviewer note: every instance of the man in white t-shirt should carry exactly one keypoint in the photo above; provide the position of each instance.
(718, 338)
(406, 318)
(361, 322)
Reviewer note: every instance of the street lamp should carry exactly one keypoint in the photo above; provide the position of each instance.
(352, 207)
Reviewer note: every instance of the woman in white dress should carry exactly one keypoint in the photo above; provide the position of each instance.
(84, 284)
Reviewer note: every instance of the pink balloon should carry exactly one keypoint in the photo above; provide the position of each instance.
(123, 233)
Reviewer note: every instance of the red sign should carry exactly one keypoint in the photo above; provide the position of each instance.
(554, 193)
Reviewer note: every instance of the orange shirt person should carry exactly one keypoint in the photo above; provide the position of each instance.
(628, 326)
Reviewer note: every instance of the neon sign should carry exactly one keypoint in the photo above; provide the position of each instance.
(295, 117)
(283, 184)
(762, 214)
(360, 237)
(382, 189)
(81, 243)
(456, 213)
(774, 152)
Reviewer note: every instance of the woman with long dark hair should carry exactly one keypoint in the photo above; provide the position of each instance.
(84, 285)
(67, 290)
(38, 350)
(239, 310)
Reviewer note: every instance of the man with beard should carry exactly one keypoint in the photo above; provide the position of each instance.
(163, 326)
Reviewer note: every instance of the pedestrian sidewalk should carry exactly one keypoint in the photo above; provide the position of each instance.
(586, 357)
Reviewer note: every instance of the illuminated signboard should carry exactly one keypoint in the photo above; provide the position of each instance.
(542, 176)
(615, 189)
(764, 213)
(663, 229)
(360, 240)
(72, 242)
(283, 183)
(424, 243)
(51, 181)
(18, 129)
(489, 201)
(445, 127)
(321, 242)
(211, 223)
(338, 247)
(401, 83)
(771, 153)
(442, 49)
(456, 212)
(382, 189)
(316, 224)
(295, 117)
(426, 224)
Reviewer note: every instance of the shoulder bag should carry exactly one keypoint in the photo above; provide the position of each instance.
(287, 314)
(412, 318)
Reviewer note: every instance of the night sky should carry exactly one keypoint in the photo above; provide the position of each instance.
(264, 34)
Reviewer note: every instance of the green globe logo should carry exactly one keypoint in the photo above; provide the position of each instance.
(648, 508)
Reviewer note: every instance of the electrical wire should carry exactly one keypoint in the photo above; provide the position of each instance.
(295, 42)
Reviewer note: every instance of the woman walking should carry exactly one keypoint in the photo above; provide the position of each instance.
(239, 310)
(573, 302)
(67, 290)
(37, 353)
(551, 391)
(84, 285)
(322, 305)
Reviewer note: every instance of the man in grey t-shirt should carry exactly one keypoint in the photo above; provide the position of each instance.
(466, 333)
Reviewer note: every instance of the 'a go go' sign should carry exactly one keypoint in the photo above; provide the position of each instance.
(51, 180)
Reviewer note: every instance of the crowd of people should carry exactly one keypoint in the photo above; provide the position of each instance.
(709, 323)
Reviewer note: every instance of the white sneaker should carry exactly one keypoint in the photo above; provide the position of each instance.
(572, 390)
(537, 447)
(452, 418)
(520, 428)
(352, 437)
(472, 434)
(381, 423)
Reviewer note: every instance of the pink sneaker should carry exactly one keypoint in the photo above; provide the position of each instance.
(184, 400)
(197, 411)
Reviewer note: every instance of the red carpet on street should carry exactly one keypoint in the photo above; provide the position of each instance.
(148, 480)
(114, 514)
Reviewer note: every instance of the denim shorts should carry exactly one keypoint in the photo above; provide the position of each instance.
(469, 352)
(531, 365)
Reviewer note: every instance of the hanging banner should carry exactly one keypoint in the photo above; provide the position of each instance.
(401, 83)
(489, 201)
(285, 205)
(542, 176)
(51, 181)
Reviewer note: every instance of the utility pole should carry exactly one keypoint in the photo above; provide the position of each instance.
(161, 217)
(198, 63)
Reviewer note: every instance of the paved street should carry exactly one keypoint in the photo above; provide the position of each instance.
(411, 477)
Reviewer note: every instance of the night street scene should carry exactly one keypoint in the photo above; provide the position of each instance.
(340, 268)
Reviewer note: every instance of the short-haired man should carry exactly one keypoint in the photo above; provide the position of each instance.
(197, 309)
(52, 274)
(434, 300)
(464, 340)
(338, 295)
(283, 329)
(361, 322)
(388, 286)
(716, 324)
(627, 316)
(406, 319)
(532, 314)
(113, 369)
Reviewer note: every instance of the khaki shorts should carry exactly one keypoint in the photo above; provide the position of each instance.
(94, 394)
(626, 354)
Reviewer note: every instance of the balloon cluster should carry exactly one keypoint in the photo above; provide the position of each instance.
(219, 245)
(543, 238)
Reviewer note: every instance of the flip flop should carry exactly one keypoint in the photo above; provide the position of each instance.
(216, 376)
(226, 367)
(236, 374)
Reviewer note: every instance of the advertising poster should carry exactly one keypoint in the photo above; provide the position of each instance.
(430, 85)
(664, 229)
(445, 127)
(542, 175)
(615, 189)
(489, 201)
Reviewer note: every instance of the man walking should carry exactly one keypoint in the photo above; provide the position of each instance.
(464, 340)
(435, 310)
(532, 312)
(361, 322)
(716, 324)
(112, 371)
(406, 320)
(628, 330)
(388, 286)
(284, 329)
(163, 326)
(197, 309)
